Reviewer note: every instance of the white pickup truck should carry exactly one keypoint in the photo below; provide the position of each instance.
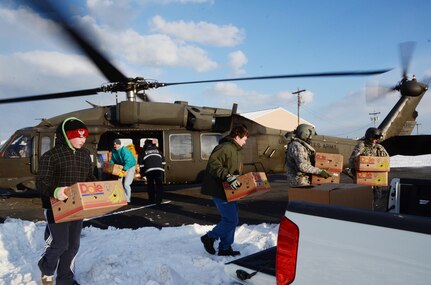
(327, 244)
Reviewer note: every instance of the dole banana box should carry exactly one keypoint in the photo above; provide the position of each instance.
(252, 183)
(334, 178)
(113, 169)
(373, 178)
(332, 162)
(373, 163)
(89, 199)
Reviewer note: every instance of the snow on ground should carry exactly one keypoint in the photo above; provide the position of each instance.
(170, 256)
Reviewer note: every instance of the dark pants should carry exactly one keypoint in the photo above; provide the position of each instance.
(155, 186)
(225, 229)
(61, 247)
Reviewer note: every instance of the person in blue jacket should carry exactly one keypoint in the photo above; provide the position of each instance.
(123, 156)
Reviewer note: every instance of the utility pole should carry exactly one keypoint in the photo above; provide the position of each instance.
(417, 128)
(374, 118)
(298, 93)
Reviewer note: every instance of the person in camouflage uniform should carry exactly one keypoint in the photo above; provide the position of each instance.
(369, 147)
(299, 157)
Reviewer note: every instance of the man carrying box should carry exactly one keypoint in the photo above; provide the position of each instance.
(299, 155)
(62, 166)
(123, 156)
(368, 147)
(225, 164)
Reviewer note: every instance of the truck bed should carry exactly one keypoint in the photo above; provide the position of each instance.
(340, 245)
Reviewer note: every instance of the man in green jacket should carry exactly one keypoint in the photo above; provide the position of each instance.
(224, 164)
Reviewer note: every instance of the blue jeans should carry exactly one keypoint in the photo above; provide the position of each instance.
(225, 229)
(127, 180)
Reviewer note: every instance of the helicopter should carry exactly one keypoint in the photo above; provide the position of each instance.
(185, 134)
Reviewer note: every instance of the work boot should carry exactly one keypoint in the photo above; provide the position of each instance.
(228, 252)
(47, 279)
(208, 244)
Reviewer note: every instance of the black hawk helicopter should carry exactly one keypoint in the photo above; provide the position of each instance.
(186, 134)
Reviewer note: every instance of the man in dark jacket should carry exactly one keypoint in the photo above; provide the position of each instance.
(151, 164)
(225, 164)
(64, 165)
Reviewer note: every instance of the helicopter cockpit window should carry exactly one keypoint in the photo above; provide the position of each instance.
(45, 145)
(19, 147)
(208, 143)
(180, 147)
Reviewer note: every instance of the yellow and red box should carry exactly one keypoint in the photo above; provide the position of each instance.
(334, 178)
(113, 169)
(89, 199)
(373, 163)
(252, 183)
(373, 178)
(332, 162)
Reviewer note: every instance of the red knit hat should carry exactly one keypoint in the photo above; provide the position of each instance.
(75, 129)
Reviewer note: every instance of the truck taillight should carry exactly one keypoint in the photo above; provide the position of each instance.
(287, 248)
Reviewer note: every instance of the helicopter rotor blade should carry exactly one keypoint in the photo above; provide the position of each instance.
(406, 51)
(77, 93)
(48, 8)
(322, 74)
(376, 92)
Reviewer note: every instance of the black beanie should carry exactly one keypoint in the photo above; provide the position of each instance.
(75, 129)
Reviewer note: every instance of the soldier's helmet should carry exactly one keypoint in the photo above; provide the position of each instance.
(373, 133)
(305, 132)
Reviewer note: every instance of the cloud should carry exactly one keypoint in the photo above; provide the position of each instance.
(201, 32)
(227, 93)
(237, 60)
(153, 50)
(40, 70)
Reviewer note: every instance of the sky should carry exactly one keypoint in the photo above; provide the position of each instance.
(188, 40)
(148, 255)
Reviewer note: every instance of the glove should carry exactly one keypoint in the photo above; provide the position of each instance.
(60, 194)
(122, 173)
(323, 173)
(233, 182)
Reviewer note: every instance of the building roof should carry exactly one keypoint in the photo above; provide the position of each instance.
(277, 118)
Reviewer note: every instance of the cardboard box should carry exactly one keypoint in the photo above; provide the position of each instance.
(373, 163)
(113, 169)
(335, 178)
(252, 183)
(372, 178)
(330, 161)
(89, 199)
(349, 195)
